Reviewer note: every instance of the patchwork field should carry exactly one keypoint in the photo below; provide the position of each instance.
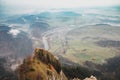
(94, 43)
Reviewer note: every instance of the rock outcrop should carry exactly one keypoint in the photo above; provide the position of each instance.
(42, 65)
(91, 78)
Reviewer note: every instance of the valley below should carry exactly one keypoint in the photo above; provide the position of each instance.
(85, 41)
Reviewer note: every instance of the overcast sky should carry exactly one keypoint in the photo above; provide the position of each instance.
(23, 5)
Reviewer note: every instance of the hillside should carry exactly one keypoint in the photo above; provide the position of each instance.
(14, 42)
(41, 66)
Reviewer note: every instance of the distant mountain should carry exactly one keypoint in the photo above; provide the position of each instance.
(15, 20)
(69, 13)
(45, 14)
(23, 19)
(37, 28)
(14, 42)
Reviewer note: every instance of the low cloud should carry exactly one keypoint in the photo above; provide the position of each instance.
(14, 32)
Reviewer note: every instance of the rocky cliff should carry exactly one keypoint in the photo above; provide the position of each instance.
(42, 65)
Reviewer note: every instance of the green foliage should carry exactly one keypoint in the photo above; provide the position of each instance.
(78, 72)
(27, 79)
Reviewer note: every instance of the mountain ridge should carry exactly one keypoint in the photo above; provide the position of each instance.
(42, 65)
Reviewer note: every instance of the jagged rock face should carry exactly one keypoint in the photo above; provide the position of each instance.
(47, 58)
(41, 66)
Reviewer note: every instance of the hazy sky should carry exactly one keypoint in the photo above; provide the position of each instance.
(23, 5)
